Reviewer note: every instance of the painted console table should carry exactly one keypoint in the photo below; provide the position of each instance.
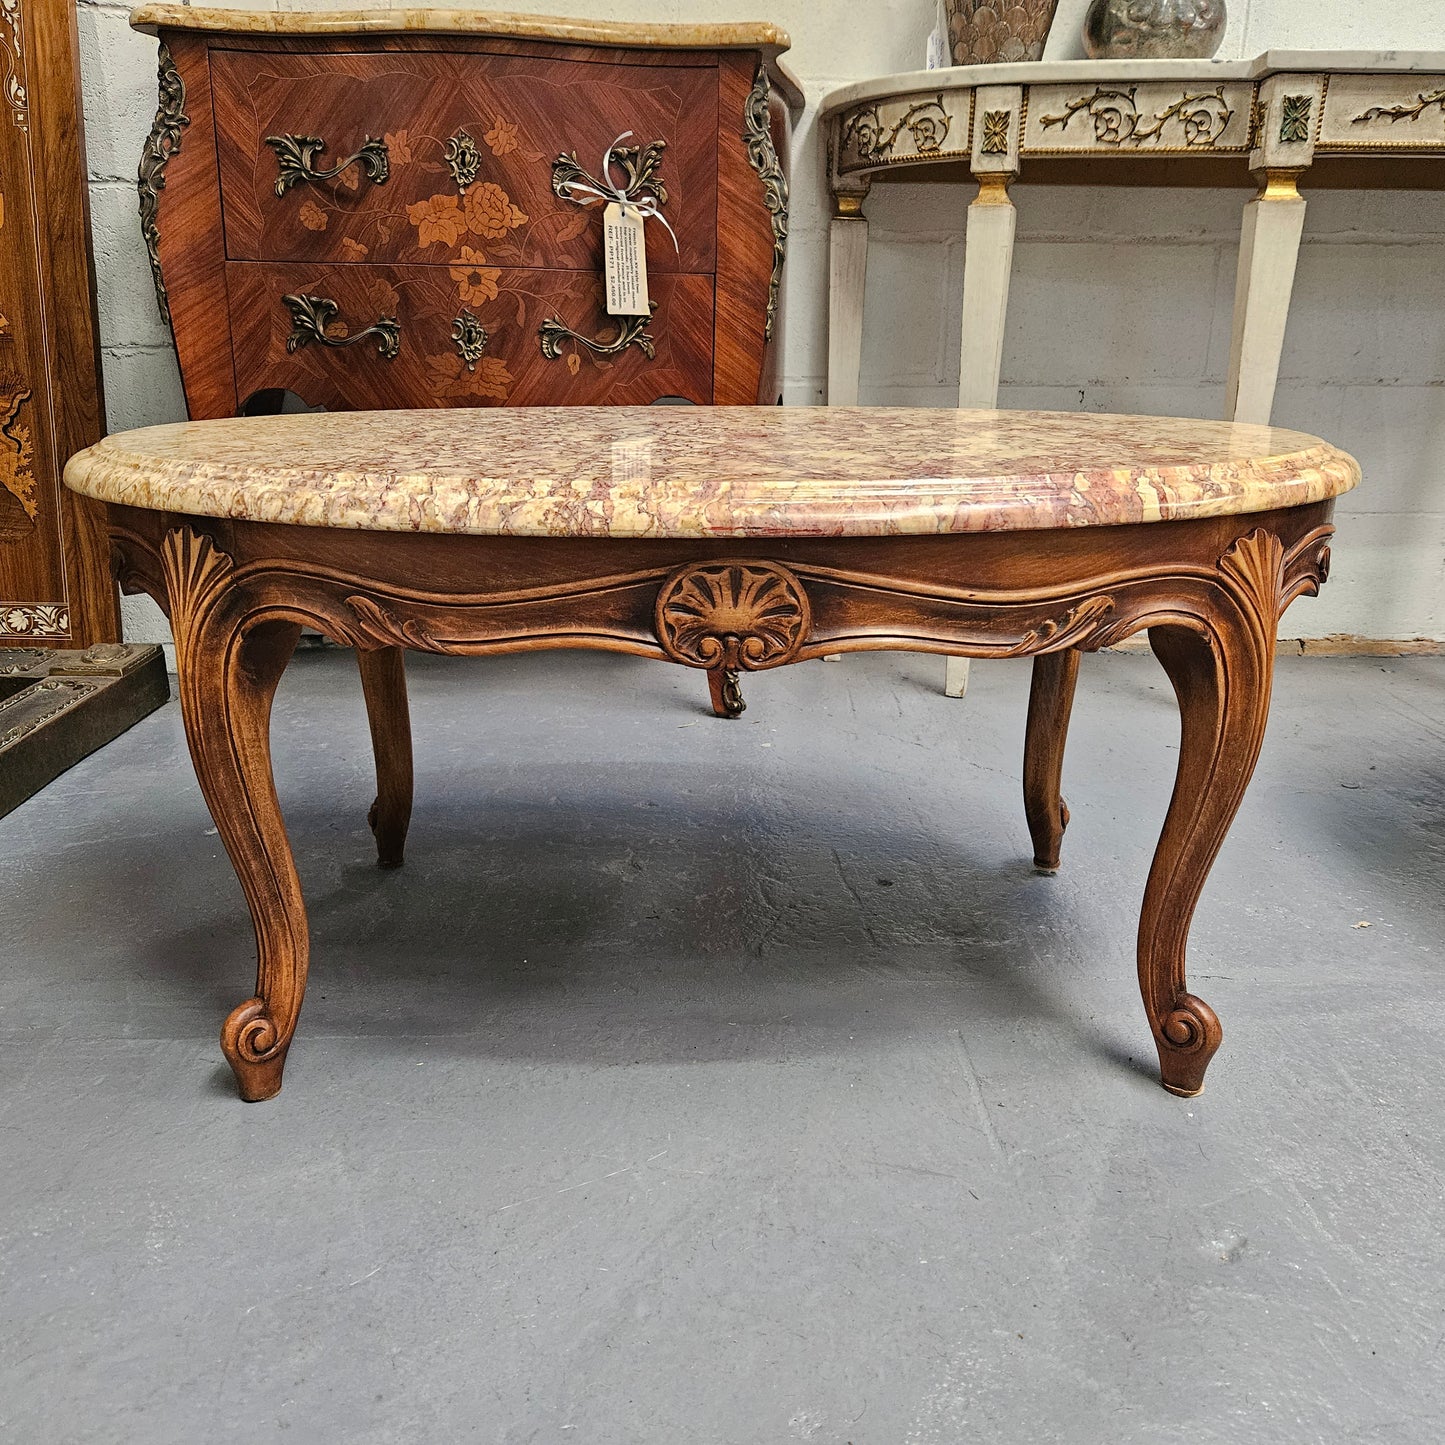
(719, 538)
(1285, 116)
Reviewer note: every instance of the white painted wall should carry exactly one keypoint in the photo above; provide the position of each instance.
(1121, 299)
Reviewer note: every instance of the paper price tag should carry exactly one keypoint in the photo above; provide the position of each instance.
(624, 249)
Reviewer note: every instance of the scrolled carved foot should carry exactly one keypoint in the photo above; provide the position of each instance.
(726, 692)
(255, 1050)
(390, 841)
(1187, 1039)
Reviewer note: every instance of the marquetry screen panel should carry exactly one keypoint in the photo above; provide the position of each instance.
(55, 585)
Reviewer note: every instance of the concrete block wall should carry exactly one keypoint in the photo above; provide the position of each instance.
(1121, 298)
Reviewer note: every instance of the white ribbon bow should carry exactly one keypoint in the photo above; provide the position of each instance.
(646, 207)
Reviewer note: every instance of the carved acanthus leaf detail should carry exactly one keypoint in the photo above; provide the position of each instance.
(733, 615)
(1255, 564)
(1306, 566)
(197, 572)
(1055, 634)
(380, 627)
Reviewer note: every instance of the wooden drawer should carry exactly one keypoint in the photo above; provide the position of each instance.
(280, 344)
(504, 119)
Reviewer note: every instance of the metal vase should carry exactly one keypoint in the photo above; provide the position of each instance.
(988, 32)
(1154, 29)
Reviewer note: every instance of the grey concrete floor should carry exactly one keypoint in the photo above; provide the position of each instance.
(733, 1082)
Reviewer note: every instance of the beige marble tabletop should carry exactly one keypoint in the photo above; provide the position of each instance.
(709, 471)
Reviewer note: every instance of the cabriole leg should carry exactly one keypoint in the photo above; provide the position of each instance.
(383, 681)
(1051, 699)
(227, 681)
(1223, 692)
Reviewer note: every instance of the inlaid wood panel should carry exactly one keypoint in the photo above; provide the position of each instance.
(55, 581)
(508, 367)
(460, 158)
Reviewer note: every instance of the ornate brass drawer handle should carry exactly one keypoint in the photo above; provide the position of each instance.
(640, 166)
(297, 156)
(632, 331)
(312, 315)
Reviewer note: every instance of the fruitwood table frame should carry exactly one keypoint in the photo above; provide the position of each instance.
(1209, 591)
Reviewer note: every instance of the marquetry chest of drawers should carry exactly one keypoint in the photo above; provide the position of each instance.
(391, 208)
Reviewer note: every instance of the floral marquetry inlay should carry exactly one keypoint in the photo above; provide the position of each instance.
(733, 615)
(486, 210)
(29, 619)
(16, 476)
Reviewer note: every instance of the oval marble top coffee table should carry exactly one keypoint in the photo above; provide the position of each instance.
(724, 539)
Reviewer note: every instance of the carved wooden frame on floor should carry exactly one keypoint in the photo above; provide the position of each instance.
(1209, 591)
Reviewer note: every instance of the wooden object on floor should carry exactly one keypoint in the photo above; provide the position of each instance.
(55, 584)
(384, 209)
(462, 533)
(1128, 122)
(59, 706)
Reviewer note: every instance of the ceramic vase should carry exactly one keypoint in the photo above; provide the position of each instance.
(989, 32)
